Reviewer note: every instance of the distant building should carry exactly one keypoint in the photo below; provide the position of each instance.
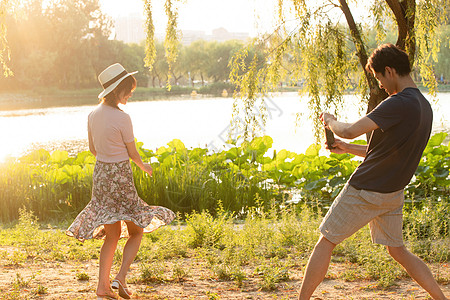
(189, 36)
(131, 29)
(221, 35)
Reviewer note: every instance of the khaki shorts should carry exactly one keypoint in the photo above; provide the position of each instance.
(353, 209)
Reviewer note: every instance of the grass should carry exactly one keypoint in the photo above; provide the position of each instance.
(58, 186)
(265, 249)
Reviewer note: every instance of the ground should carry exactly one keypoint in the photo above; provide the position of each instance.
(58, 280)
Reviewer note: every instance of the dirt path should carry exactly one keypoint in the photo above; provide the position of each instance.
(59, 281)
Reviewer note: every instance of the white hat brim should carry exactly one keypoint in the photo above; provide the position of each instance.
(110, 88)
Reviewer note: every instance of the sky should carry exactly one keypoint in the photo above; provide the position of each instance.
(250, 16)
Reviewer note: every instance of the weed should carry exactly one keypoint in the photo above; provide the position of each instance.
(152, 272)
(272, 273)
(178, 272)
(82, 276)
(21, 282)
(17, 258)
(225, 271)
(205, 230)
(212, 296)
(13, 295)
(40, 290)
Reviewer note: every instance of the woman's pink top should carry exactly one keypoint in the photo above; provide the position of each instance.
(110, 128)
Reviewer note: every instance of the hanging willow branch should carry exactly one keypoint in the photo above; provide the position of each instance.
(171, 40)
(5, 53)
(150, 49)
(429, 15)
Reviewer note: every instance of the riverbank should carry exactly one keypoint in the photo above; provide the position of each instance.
(45, 97)
(52, 97)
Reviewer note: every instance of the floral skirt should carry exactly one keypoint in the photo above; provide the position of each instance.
(114, 198)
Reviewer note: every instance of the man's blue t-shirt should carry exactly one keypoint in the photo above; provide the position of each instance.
(395, 148)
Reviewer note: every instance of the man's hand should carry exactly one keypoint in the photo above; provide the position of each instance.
(339, 147)
(326, 118)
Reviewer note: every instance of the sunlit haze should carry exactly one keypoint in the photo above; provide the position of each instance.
(252, 16)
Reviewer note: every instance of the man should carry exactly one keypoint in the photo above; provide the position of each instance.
(400, 127)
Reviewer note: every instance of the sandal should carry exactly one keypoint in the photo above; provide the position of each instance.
(123, 292)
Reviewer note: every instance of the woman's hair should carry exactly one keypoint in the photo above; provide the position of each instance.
(125, 86)
(388, 55)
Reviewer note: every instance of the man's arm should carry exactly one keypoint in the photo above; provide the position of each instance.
(349, 130)
(341, 147)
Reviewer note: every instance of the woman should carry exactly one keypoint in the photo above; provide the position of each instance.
(115, 210)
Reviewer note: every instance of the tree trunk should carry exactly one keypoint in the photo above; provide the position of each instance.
(376, 94)
(175, 78)
(405, 15)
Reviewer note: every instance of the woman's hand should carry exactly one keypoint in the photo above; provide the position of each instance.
(148, 169)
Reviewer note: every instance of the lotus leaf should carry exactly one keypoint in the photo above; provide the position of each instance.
(59, 156)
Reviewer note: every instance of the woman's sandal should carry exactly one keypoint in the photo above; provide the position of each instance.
(123, 292)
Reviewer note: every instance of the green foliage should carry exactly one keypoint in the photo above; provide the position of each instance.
(21, 282)
(264, 247)
(429, 15)
(272, 273)
(54, 185)
(217, 88)
(178, 272)
(152, 271)
(150, 49)
(82, 276)
(171, 40)
(203, 230)
(432, 175)
(40, 290)
(4, 49)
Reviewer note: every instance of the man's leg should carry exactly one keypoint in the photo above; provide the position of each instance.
(418, 270)
(316, 268)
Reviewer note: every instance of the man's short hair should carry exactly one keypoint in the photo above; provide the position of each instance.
(388, 55)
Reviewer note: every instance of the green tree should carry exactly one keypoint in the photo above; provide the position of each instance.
(160, 68)
(196, 61)
(442, 68)
(60, 44)
(176, 67)
(74, 24)
(219, 57)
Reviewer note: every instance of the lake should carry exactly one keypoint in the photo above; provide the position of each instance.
(197, 122)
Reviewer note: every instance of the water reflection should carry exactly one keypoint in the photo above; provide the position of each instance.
(197, 123)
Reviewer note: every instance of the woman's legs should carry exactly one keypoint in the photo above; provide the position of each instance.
(106, 257)
(130, 250)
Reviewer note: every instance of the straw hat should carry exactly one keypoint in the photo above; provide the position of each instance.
(111, 77)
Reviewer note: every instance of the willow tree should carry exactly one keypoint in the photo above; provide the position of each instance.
(4, 49)
(324, 50)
